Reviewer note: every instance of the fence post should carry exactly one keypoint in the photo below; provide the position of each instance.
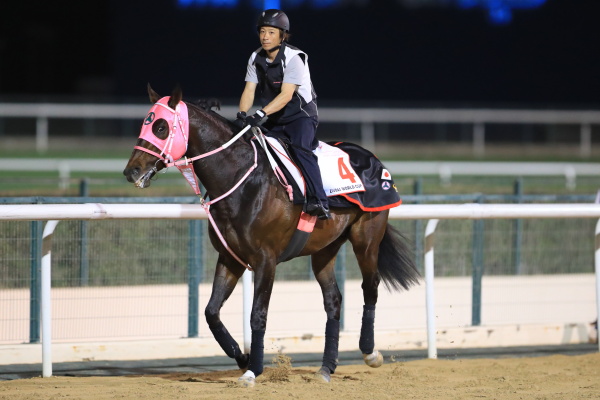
(367, 134)
(478, 139)
(340, 276)
(478, 242)
(41, 134)
(194, 276)
(84, 262)
(35, 282)
(429, 292)
(597, 268)
(47, 299)
(585, 140)
(518, 228)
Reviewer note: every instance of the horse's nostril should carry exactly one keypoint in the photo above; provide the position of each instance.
(131, 173)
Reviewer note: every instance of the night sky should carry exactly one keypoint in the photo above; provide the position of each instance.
(380, 54)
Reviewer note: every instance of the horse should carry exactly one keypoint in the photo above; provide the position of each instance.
(253, 221)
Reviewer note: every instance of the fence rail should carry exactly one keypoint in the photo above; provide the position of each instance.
(55, 212)
(444, 169)
(366, 117)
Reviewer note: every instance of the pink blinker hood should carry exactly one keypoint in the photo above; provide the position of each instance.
(175, 145)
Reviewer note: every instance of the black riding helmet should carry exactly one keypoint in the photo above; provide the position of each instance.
(275, 18)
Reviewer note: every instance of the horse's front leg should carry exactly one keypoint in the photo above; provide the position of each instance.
(224, 283)
(264, 276)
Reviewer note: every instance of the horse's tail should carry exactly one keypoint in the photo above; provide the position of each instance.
(396, 261)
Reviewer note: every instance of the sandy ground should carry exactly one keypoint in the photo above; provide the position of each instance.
(549, 377)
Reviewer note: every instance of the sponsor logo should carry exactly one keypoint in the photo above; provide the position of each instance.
(149, 118)
(346, 188)
(386, 185)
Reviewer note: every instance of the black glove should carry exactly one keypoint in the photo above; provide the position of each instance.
(254, 120)
(240, 121)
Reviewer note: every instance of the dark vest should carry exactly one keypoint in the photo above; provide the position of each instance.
(270, 78)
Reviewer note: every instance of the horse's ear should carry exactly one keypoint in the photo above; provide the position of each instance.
(154, 97)
(175, 97)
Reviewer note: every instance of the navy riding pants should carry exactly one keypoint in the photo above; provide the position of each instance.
(302, 135)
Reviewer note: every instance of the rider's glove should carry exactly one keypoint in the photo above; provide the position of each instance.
(240, 121)
(254, 120)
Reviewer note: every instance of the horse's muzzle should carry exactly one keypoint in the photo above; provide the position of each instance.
(134, 175)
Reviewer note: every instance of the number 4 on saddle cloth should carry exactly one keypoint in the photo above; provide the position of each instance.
(352, 176)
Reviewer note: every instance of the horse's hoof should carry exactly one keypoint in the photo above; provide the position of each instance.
(323, 375)
(243, 361)
(373, 360)
(247, 380)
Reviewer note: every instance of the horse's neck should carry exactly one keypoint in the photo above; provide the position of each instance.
(222, 171)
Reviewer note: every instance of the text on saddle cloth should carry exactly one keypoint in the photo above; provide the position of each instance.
(336, 172)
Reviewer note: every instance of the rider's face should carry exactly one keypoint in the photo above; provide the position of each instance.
(269, 37)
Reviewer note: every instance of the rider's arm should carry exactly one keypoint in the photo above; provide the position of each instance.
(247, 98)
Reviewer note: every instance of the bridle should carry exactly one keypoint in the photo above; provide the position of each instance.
(173, 148)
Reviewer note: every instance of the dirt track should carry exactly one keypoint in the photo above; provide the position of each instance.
(550, 377)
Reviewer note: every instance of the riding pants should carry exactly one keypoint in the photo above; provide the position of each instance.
(301, 133)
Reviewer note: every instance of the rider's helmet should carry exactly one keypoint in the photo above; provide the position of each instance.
(275, 18)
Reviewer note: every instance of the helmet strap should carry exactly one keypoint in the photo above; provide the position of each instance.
(274, 49)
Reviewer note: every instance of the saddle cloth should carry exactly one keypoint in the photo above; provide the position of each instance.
(352, 176)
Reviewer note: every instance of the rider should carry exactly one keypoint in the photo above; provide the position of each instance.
(278, 75)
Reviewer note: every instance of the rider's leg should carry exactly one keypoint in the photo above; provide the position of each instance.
(301, 133)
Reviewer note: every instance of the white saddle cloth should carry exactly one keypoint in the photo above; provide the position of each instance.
(336, 172)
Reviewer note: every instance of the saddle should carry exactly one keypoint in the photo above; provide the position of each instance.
(352, 176)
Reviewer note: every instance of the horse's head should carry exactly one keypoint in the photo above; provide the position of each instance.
(163, 138)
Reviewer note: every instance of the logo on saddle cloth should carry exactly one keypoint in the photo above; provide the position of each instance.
(336, 172)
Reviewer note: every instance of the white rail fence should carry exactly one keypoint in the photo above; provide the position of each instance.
(444, 169)
(55, 212)
(366, 117)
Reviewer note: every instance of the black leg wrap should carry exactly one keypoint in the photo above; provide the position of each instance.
(243, 360)
(257, 352)
(332, 339)
(367, 338)
(227, 343)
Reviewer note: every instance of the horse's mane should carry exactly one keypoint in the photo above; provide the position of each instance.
(207, 106)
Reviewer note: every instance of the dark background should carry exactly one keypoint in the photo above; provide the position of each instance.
(382, 53)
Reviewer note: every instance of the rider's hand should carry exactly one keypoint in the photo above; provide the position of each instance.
(255, 119)
(240, 121)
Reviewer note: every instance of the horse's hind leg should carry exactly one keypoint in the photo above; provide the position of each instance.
(223, 285)
(365, 236)
(323, 264)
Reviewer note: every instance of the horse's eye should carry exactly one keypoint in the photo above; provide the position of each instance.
(160, 128)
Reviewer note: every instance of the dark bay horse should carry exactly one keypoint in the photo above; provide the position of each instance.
(257, 220)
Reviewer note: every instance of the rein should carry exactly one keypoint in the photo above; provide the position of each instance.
(174, 148)
(185, 166)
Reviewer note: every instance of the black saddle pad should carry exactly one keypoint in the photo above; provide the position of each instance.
(381, 192)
